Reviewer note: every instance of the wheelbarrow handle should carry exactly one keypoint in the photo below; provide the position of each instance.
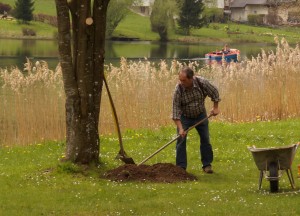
(164, 146)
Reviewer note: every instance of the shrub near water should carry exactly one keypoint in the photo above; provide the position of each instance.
(262, 88)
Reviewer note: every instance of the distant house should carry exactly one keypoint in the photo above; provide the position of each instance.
(273, 11)
(240, 9)
(227, 4)
(214, 3)
(143, 7)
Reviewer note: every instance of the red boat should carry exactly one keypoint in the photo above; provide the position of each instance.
(231, 55)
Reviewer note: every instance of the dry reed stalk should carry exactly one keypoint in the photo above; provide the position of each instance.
(33, 105)
(262, 88)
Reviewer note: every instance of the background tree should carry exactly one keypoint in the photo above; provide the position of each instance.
(211, 3)
(23, 10)
(190, 15)
(81, 49)
(161, 17)
(213, 14)
(116, 12)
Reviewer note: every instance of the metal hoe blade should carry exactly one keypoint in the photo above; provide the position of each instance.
(123, 157)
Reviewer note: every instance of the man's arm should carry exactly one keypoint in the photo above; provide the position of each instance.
(177, 110)
(213, 93)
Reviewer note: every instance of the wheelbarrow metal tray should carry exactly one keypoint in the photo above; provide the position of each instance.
(283, 155)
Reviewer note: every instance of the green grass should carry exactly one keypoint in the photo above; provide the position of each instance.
(13, 29)
(136, 26)
(34, 182)
(40, 6)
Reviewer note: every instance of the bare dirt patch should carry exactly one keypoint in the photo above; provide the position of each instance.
(160, 172)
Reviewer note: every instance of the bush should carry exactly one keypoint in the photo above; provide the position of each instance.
(213, 15)
(293, 17)
(215, 27)
(51, 20)
(28, 32)
(256, 19)
(4, 7)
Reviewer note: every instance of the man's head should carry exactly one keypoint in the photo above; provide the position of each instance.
(186, 77)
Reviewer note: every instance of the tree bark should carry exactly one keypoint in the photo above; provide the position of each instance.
(82, 61)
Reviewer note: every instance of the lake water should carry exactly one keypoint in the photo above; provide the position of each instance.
(14, 52)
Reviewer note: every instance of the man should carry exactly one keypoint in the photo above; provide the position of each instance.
(189, 109)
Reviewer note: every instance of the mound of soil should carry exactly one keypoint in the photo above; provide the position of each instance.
(160, 172)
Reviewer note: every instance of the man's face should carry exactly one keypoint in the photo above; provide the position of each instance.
(186, 82)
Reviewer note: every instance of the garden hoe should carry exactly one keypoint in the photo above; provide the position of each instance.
(161, 148)
(122, 154)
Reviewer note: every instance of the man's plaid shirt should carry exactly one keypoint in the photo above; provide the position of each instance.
(190, 102)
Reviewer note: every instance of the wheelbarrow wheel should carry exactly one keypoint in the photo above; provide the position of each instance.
(274, 182)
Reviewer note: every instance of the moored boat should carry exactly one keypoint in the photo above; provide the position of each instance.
(231, 55)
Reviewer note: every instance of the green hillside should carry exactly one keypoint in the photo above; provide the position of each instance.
(12, 29)
(136, 26)
(40, 6)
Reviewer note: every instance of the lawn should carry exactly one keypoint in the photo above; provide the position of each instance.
(136, 26)
(40, 6)
(34, 181)
(13, 29)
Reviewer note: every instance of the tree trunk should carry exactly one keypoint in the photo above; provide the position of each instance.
(82, 62)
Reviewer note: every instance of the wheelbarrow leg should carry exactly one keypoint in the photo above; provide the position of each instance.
(260, 179)
(291, 178)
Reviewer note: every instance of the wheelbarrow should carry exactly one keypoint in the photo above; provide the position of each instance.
(272, 162)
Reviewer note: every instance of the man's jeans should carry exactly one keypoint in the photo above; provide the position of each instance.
(206, 152)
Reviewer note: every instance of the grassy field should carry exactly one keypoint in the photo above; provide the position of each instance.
(246, 33)
(12, 29)
(139, 27)
(136, 26)
(40, 6)
(34, 182)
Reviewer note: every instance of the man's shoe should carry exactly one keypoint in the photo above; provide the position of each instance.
(208, 169)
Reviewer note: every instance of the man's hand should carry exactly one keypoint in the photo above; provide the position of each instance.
(182, 133)
(215, 110)
(180, 128)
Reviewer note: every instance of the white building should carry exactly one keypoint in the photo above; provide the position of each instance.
(143, 6)
(214, 3)
(240, 9)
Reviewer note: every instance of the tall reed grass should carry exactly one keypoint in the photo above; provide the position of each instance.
(263, 88)
(31, 105)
